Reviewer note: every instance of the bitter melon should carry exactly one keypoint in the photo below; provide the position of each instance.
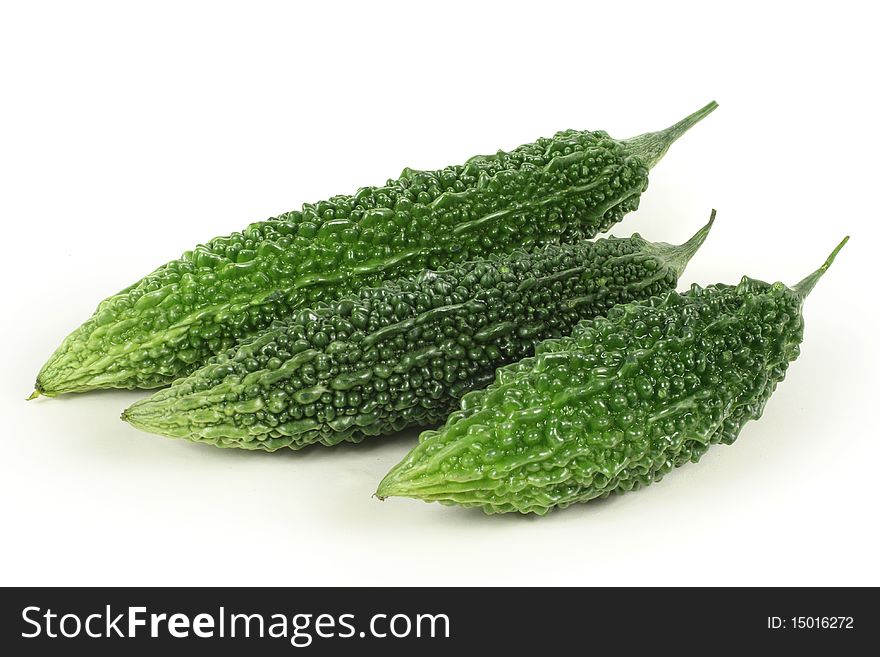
(404, 353)
(615, 406)
(567, 188)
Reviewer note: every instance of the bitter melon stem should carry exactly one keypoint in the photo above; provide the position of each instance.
(652, 146)
(679, 256)
(806, 286)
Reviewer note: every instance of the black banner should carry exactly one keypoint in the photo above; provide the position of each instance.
(431, 621)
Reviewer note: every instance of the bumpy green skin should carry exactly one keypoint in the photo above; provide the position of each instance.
(567, 188)
(404, 353)
(614, 407)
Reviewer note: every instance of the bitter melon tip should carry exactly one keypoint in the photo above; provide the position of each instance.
(650, 147)
(807, 284)
(680, 255)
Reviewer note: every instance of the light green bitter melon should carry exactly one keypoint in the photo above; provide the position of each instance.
(403, 353)
(563, 189)
(615, 406)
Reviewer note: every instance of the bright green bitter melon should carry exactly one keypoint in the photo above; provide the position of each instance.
(404, 353)
(563, 189)
(615, 406)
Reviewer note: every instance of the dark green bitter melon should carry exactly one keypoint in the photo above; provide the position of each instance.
(404, 353)
(615, 406)
(563, 189)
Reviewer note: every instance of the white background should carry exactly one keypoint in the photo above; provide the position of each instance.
(131, 133)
